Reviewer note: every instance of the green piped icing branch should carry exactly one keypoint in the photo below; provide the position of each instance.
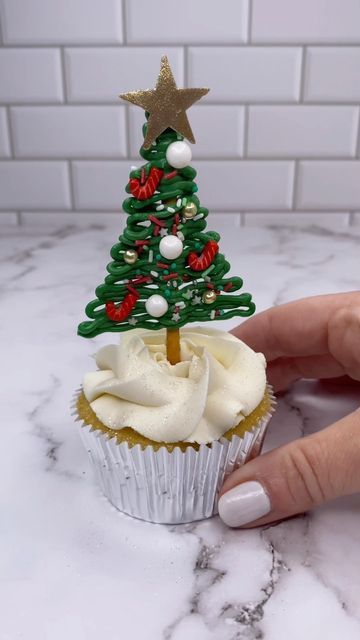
(139, 270)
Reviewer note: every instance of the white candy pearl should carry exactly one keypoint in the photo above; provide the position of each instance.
(178, 154)
(170, 247)
(156, 306)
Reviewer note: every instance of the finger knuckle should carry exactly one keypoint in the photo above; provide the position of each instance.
(304, 472)
(344, 338)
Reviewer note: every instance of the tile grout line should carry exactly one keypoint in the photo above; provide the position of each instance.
(208, 159)
(186, 65)
(198, 45)
(295, 186)
(10, 132)
(207, 103)
(357, 148)
(228, 210)
(302, 75)
(127, 132)
(249, 22)
(63, 75)
(124, 23)
(71, 184)
(245, 146)
(233, 214)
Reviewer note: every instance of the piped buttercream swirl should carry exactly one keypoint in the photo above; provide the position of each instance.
(218, 382)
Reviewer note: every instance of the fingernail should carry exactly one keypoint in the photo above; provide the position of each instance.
(243, 504)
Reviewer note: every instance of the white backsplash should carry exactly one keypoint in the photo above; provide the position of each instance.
(279, 131)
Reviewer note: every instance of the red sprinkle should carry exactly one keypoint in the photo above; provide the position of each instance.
(209, 285)
(140, 280)
(177, 218)
(139, 243)
(162, 265)
(156, 220)
(174, 230)
(156, 230)
(228, 286)
(171, 276)
(170, 175)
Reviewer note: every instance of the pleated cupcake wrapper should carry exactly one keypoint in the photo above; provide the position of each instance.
(168, 487)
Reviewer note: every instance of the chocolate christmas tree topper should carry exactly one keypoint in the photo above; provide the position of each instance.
(166, 269)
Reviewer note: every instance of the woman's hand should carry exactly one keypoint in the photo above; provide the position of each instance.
(312, 338)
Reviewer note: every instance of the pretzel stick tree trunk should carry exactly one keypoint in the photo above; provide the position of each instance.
(173, 345)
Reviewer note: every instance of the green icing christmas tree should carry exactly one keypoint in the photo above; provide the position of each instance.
(166, 269)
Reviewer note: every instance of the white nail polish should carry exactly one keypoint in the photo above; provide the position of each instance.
(244, 504)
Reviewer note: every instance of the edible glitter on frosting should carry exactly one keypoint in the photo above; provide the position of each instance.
(218, 382)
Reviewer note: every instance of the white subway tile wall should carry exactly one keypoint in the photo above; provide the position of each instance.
(277, 136)
(68, 131)
(302, 131)
(34, 185)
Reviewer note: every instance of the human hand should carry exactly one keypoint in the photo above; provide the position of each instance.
(316, 337)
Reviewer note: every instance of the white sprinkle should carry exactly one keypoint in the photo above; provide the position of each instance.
(154, 273)
(174, 283)
(184, 201)
(207, 279)
(212, 314)
(133, 167)
(171, 210)
(178, 202)
(180, 236)
(181, 304)
(151, 255)
(200, 215)
(160, 207)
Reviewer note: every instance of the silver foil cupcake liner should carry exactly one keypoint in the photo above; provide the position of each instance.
(168, 487)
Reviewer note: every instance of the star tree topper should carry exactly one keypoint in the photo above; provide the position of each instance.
(166, 105)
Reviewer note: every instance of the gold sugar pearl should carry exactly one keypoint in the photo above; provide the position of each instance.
(130, 256)
(209, 296)
(190, 210)
(170, 202)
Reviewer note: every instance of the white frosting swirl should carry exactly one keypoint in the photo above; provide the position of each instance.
(218, 382)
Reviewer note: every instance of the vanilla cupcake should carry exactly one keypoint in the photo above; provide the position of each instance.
(162, 438)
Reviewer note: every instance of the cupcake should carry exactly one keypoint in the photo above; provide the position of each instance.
(162, 438)
(171, 411)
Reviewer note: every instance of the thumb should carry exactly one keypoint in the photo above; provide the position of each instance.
(295, 477)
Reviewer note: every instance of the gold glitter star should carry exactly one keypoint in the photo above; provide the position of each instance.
(166, 105)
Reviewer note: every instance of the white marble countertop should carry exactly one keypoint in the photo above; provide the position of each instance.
(71, 565)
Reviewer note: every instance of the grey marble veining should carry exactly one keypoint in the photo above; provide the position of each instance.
(71, 565)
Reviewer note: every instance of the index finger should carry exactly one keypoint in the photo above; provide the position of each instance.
(297, 328)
